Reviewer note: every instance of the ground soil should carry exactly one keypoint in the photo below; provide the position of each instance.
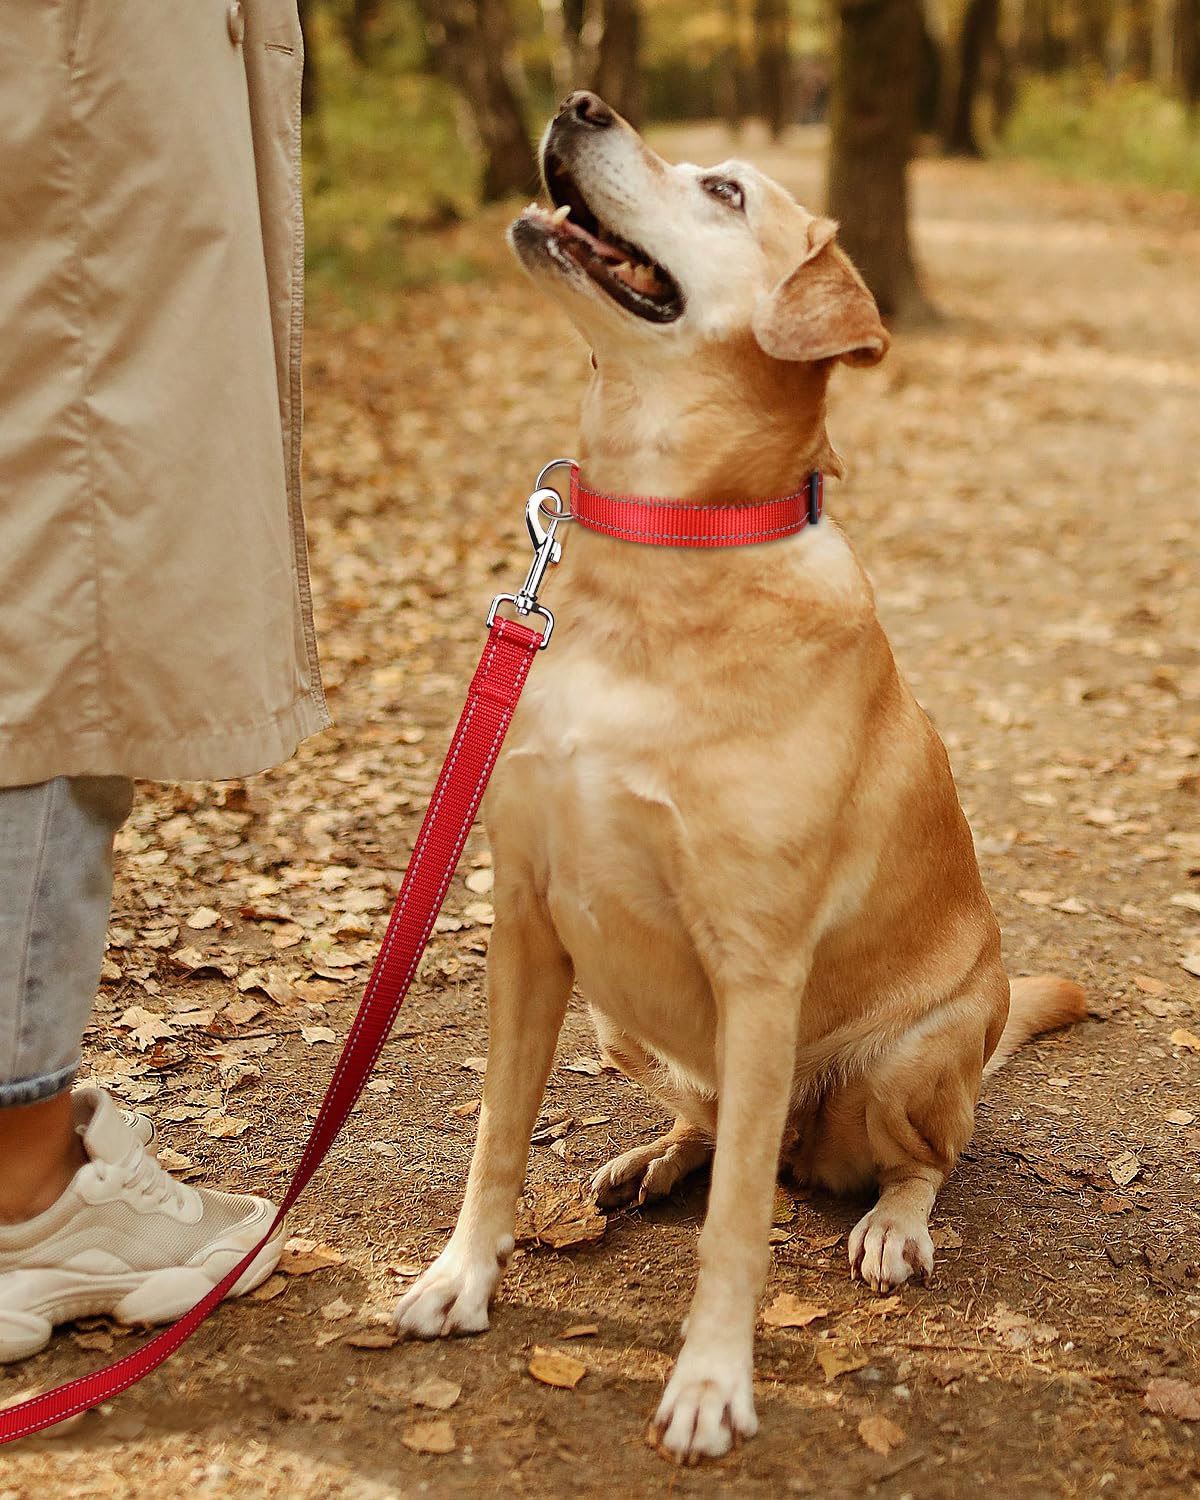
(1023, 487)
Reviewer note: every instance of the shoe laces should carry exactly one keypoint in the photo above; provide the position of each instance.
(148, 1180)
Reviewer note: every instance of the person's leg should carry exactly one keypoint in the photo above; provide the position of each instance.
(55, 891)
(90, 1222)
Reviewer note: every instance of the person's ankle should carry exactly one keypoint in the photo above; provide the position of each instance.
(25, 1196)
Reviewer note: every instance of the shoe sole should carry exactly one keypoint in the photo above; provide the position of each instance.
(135, 1298)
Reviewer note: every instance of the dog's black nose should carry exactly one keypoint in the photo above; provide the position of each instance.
(589, 109)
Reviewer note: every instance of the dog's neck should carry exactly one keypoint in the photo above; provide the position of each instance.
(741, 426)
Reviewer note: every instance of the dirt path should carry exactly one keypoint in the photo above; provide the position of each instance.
(1024, 488)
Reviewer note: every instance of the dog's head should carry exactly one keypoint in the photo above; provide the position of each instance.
(686, 258)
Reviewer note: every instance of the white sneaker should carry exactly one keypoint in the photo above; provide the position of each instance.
(125, 1239)
(143, 1127)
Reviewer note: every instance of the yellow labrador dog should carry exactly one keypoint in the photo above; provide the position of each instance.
(720, 808)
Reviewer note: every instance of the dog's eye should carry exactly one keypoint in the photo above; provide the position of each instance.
(727, 190)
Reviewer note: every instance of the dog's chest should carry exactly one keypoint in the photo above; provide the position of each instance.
(583, 798)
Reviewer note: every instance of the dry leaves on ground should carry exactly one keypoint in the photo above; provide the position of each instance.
(430, 1437)
(552, 1367)
(787, 1311)
(1173, 1398)
(881, 1435)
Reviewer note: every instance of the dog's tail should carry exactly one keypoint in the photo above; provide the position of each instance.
(1036, 1005)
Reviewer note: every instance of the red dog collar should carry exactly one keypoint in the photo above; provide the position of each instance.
(677, 523)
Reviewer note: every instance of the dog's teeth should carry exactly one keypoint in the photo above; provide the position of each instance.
(561, 213)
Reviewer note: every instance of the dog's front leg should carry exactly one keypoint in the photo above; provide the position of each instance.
(709, 1399)
(528, 981)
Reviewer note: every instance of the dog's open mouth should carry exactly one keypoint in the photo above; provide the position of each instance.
(620, 269)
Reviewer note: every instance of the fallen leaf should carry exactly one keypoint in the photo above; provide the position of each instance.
(1188, 1040)
(1124, 1168)
(435, 1393)
(98, 1342)
(1149, 985)
(945, 1238)
(372, 1338)
(881, 1435)
(202, 917)
(1072, 906)
(225, 1128)
(1179, 1117)
(192, 961)
(335, 1311)
(239, 1012)
(316, 1034)
(1173, 1398)
(480, 881)
(884, 1307)
(592, 1066)
(836, 1359)
(1189, 900)
(580, 1331)
(430, 1437)
(145, 1028)
(787, 1311)
(1036, 898)
(301, 1256)
(784, 1209)
(481, 912)
(273, 1287)
(558, 1216)
(554, 1368)
(474, 1064)
(1191, 962)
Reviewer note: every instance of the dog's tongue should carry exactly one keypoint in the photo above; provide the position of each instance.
(640, 278)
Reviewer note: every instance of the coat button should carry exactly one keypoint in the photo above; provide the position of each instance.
(237, 23)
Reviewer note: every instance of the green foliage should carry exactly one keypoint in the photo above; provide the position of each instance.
(1083, 127)
(384, 164)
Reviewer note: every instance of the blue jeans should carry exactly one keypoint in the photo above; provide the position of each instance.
(56, 842)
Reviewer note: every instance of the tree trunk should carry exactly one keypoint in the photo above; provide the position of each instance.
(1163, 49)
(308, 84)
(1038, 47)
(729, 75)
(471, 44)
(617, 77)
(773, 63)
(358, 22)
(1139, 28)
(1091, 33)
(876, 49)
(1188, 34)
(976, 43)
(563, 21)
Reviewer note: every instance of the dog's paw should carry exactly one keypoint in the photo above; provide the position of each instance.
(887, 1248)
(452, 1296)
(707, 1406)
(648, 1172)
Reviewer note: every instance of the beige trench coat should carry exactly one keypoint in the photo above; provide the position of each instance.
(155, 613)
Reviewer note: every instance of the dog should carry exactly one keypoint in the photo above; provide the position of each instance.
(720, 807)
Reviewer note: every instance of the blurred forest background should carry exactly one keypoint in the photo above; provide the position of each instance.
(420, 111)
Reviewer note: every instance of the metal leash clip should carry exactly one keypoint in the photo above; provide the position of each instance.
(543, 503)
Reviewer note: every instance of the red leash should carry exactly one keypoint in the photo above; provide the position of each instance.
(491, 702)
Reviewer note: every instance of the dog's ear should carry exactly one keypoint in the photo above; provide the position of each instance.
(822, 309)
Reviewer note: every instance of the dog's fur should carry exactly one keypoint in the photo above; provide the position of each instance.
(720, 806)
